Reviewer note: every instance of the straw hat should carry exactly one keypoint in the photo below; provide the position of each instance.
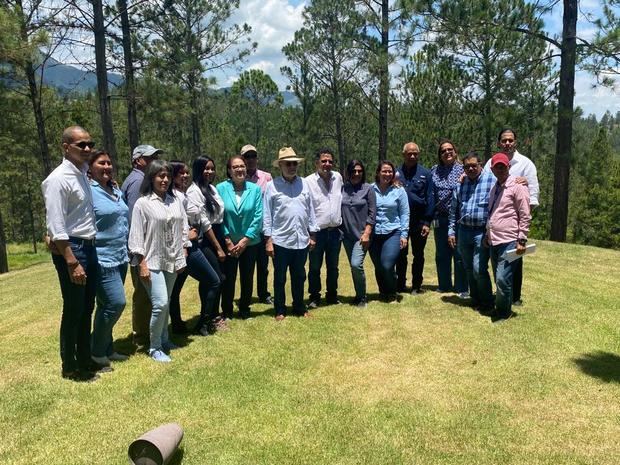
(286, 154)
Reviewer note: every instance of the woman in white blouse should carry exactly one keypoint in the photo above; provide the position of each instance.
(156, 241)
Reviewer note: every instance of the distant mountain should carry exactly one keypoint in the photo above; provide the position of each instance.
(67, 78)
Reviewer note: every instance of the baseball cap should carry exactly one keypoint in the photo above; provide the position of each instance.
(247, 149)
(500, 159)
(145, 151)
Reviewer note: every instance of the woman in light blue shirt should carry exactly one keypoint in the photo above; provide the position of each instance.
(242, 225)
(112, 218)
(391, 229)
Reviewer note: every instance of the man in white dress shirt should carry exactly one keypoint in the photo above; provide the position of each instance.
(72, 228)
(326, 189)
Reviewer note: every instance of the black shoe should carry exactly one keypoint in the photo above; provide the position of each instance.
(332, 301)
(517, 303)
(95, 367)
(497, 319)
(80, 376)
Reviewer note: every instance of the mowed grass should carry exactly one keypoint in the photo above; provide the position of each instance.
(22, 256)
(426, 381)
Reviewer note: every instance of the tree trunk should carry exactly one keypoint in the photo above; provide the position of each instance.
(107, 127)
(130, 87)
(35, 100)
(33, 234)
(384, 80)
(4, 260)
(195, 120)
(563, 148)
(338, 122)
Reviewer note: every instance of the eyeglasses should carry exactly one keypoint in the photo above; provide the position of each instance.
(290, 163)
(83, 144)
(470, 167)
(446, 150)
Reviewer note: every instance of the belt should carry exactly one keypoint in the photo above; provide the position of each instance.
(333, 228)
(465, 226)
(82, 242)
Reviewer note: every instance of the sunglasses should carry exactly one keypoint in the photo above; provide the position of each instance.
(447, 150)
(290, 163)
(82, 145)
(470, 167)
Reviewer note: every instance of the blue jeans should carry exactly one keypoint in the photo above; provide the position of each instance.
(283, 259)
(476, 263)
(328, 243)
(356, 255)
(444, 256)
(504, 272)
(77, 307)
(159, 291)
(199, 268)
(110, 305)
(384, 251)
(245, 263)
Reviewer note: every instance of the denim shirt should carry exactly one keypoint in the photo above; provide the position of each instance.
(112, 218)
(392, 211)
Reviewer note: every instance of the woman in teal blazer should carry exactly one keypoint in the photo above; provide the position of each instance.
(243, 223)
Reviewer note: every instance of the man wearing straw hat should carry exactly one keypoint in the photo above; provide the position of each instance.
(289, 226)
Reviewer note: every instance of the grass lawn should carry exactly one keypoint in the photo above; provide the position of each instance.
(22, 256)
(426, 381)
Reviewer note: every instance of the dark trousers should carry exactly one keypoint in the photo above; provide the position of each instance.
(283, 259)
(517, 280)
(384, 252)
(328, 243)
(245, 264)
(417, 242)
(199, 268)
(78, 303)
(140, 309)
(262, 271)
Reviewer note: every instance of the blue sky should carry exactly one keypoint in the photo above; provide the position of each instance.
(274, 23)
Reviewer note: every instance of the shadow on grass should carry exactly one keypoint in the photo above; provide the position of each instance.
(456, 300)
(602, 365)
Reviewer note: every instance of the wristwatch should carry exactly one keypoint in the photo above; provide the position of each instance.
(522, 241)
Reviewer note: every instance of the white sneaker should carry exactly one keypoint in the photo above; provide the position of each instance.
(116, 357)
(159, 356)
(104, 361)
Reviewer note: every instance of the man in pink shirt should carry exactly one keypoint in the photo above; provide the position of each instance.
(507, 229)
(261, 178)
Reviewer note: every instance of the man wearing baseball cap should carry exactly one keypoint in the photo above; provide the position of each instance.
(141, 308)
(507, 229)
(261, 178)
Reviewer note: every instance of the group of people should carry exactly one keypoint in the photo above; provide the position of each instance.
(169, 220)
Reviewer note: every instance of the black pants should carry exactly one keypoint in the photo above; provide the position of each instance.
(245, 264)
(517, 280)
(262, 271)
(78, 303)
(417, 242)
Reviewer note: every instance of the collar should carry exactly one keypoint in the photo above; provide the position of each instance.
(74, 169)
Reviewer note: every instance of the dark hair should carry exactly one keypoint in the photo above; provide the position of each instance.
(321, 151)
(198, 168)
(381, 163)
(352, 164)
(442, 142)
(471, 155)
(506, 129)
(177, 166)
(94, 156)
(146, 188)
(229, 163)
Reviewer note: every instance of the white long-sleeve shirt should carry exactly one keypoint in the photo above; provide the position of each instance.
(327, 200)
(521, 166)
(68, 203)
(197, 211)
(158, 232)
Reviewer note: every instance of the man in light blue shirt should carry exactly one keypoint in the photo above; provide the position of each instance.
(289, 226)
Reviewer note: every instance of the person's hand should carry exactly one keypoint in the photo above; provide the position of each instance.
(51, 245)
(221, 256)
(452, 241)
(229, 246)
(192, 234)
(240, 246)
(403, 243)
(185, 252)
(365, 241)
(181, 270)
(462, 178)
(485, 241)
(269, 247)
(77, 275)
(521, 180)
(144, 273)
(425, 230)
(520, 249)
(312, 243)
